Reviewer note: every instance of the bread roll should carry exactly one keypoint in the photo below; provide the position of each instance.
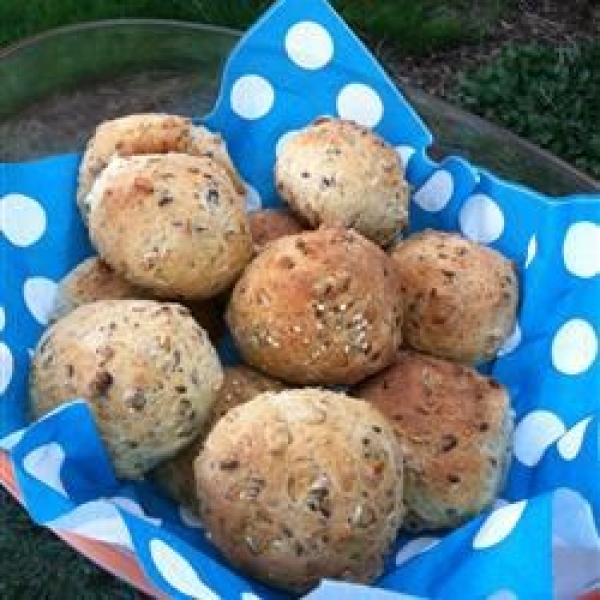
(171, 223)
(176, 475)
(321, 307)
(91, 280)
(147, 371)
(454, 427)
(460, 298)
(94, 279)
(147, 134)
(270, 224)
(336, 172)
(302, 485)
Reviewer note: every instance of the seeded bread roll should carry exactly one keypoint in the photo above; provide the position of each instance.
(460, 298)
(94, 279)
(91, 280)
(321, 307)
(148, 134)
(171, 223)
(454, 427)
(302, 485)
(147, 371)
(336, 172)
(270, 224)
(176, 475)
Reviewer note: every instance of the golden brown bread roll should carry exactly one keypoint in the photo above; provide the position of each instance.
(302, 485)
(147, 133)
(91, 280)
(454, 427)
(336, 172)
(147, 371)
(270, 224)
(171, 223)
(321, 307)
(176, 475)
(94, 279)
(460, 298)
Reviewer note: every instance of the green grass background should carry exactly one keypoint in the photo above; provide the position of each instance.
(414, 25)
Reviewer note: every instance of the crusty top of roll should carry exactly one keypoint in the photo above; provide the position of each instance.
(460, 298)
(336, 172)
(148, 133)
(320, 307)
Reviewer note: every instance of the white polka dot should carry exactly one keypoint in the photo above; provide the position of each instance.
(134, 508)
(309, 45)
(405, 153)
(512, 342)
(414, 548)
(531, 251)
(253, 199)
(481, 219)
(252, 97)
(22, 219)
(499, 525)
(189, 518)
(40, 293)
(436, 192)
(2, 318)
(360, 103)
(570, 443)
(128, 505)
(96, 520)
(575, 347)
(249, 596)
(178, 572)
(534, 434)
(284, 139)
(9, 441)
(573, 520)
(7, 365)
(45, 463)
(503, 595)
(581, 249)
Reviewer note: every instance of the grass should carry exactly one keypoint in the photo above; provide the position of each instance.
(409, 25)
(549, 95)
(35, 564)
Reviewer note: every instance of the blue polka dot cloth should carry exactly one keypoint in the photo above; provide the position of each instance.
(300, 61)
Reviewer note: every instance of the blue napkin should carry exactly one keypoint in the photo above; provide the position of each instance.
(298, 62)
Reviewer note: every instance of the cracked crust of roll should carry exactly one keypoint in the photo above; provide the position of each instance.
(321, 307)
(176, 475)
(337, 172)
(270, 224)
(146, 369)
(171, 223)
(460, 298)
(302, 485)
(455, 428)
(149, 133)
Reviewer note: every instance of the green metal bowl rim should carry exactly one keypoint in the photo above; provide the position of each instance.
(510, 136)
(31, 41)
(105, 23)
